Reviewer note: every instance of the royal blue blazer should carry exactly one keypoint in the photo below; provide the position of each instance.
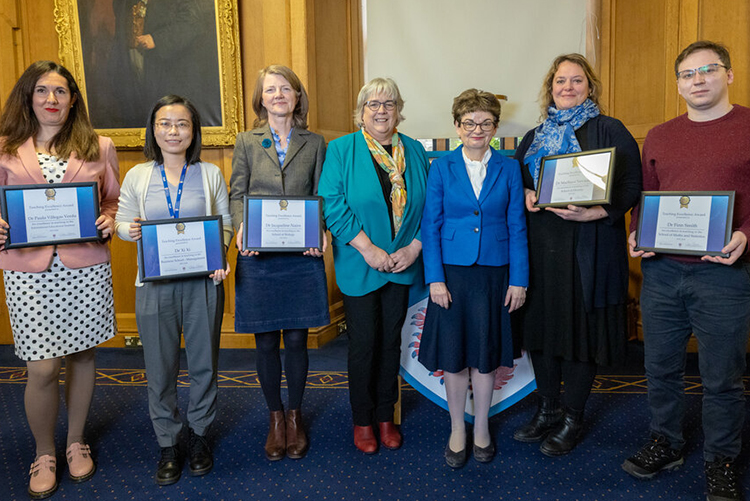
(459, 229)
(354, 202)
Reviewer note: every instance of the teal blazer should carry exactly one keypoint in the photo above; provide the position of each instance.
(353, 201)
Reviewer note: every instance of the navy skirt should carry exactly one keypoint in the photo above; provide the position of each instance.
(280, 291)
(475, 331)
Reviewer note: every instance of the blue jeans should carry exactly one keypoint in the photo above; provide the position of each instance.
(711, 301)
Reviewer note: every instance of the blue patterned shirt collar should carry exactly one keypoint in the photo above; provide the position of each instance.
(281, 152)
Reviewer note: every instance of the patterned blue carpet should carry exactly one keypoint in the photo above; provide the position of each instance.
(126, 451)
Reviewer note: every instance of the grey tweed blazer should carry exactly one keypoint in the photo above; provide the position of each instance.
(256, 169)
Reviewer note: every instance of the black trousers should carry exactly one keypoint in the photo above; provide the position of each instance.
(374, 323)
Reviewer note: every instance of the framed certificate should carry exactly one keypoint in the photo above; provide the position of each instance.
(282, 224)
(181, 248)
(685, 222)
(50, 214)
(581, 178)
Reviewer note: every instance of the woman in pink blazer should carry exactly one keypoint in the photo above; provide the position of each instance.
(59, 297)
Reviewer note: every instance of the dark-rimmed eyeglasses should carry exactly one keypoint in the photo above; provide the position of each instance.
(389, 105)
(470, 125)
(705, 70)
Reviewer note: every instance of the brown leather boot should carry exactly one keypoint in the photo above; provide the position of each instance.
(276, 441)
(296, 440)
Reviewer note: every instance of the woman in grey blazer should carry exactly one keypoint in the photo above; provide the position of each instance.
(279, 157)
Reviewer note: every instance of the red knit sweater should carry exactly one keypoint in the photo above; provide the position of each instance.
(682, 155)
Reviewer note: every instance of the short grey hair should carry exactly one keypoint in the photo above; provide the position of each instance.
(385, 86)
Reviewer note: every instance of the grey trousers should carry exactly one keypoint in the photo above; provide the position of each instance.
(164, 310)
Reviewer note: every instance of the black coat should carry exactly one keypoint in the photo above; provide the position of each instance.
(601, 246)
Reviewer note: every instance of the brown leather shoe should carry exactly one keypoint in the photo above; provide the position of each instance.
(43, 477)
(390, 437)
(276, 441)
(364, 439)
(296, 440)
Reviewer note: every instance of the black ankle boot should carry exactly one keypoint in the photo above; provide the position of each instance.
(565, 436)
(548, 416)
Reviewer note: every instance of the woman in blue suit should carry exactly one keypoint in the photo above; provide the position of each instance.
(373, 184)
(476, 264)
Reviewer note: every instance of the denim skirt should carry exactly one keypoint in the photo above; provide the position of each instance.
(280, 291)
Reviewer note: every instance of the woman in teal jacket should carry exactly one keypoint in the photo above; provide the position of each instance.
(373, 184)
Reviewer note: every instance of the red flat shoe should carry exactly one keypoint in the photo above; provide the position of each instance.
(364, 439)
(390, 437)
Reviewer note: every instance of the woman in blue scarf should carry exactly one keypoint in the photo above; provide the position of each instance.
(575, 313)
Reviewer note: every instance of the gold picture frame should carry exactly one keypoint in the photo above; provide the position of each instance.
(223, 124)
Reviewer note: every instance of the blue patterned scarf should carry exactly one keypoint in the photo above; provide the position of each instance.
(556, 135)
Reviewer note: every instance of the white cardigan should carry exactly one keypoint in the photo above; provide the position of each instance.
(133, 198)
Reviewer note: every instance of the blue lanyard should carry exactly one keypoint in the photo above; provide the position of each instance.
(175, 213)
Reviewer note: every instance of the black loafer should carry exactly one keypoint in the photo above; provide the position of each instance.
(484, 454)
(455, 459)
(169, 469)
(201, 459)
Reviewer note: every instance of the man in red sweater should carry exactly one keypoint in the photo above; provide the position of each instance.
(708, 148)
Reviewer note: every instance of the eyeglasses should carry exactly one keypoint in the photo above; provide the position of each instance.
(389, 105)
(706, 70)
(470, 125)
(167, 126)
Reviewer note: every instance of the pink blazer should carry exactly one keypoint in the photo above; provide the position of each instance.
(24, 168)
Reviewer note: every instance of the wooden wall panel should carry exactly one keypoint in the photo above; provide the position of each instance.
(40, 15)
(10, 46)
(728, 22)
(638, 41)
(338, 70)
(635, 71)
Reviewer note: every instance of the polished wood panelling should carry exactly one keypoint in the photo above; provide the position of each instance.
(640, 40)
(336, 85)
(728, 21)
(10, 56)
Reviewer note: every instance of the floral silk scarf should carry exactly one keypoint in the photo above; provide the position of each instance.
(395, 166)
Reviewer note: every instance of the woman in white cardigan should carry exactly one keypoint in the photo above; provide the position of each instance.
(175, 183)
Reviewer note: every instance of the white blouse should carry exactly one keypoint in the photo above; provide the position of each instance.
(477, 170)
